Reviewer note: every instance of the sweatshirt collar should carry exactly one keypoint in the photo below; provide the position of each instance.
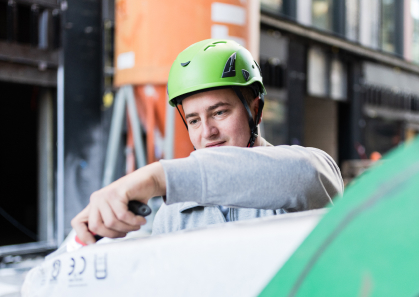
(188, 205)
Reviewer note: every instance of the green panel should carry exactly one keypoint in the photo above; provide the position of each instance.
(367, 245)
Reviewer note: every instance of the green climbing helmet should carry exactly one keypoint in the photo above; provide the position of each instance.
(209, 64)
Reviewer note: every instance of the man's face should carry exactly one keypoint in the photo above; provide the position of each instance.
(216, 118)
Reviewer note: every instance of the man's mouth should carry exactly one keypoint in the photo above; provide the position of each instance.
(215, 144)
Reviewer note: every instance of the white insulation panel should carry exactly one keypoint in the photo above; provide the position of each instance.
(233, 259)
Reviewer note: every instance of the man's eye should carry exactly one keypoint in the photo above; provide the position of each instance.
(220, 112)
(192, 122)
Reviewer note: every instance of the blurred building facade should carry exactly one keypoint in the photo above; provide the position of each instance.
(342, 76)
(30, 41)
(53, 58)
(347, 73)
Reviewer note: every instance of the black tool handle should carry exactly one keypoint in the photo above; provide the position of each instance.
(138, 208)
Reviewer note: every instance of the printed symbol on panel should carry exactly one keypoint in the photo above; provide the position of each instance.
(55, 269)
(100, 266)
(84, 265)
(77, 268)
(72, 266)
(43, 276)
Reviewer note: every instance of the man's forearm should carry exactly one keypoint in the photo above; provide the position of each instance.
(293, 178)
(146, 182)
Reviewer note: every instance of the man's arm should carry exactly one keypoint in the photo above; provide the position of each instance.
(293, 178)
(290, 177)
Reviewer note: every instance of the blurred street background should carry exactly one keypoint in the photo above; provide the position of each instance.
(84, 102)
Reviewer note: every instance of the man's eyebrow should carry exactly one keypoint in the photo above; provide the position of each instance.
(210, 108)
(215, 106)
(189, 115)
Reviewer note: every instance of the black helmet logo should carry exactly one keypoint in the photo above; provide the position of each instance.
(230, 67)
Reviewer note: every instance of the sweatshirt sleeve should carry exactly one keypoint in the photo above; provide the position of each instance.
(290, 177)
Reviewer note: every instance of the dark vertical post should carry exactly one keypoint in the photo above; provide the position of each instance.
(351, 120)
(11, 21)
(55, 30)
(83, 149)
(296, 88)
(339, 17)
(399, 27)
(289, 8)
(34, 25)
(3, 20)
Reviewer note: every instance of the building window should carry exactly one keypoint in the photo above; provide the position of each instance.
(274, 122)
(327, 75)
(369, 23)
(273, 58)
(33, 25)
(322, 14)
(317, 84)
(338, 79)
(388, 27)
(415, 40)
(272, 5)
(352, 19)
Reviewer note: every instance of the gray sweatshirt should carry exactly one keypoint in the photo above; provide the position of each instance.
(254, 182)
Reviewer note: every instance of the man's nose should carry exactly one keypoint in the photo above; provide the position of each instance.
(209, 130)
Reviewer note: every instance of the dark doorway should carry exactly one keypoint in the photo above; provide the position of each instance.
(382, 135)
(19, 158)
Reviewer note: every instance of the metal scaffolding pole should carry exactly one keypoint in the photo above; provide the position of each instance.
(124, 97)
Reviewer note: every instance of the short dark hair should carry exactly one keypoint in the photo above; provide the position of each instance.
(250, 93)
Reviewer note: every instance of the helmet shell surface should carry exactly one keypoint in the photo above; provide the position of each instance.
(202, 66)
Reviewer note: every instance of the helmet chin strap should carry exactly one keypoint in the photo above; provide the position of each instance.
(186, 125)
(252, 123)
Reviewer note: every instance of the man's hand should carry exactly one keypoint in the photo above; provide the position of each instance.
(107, 213)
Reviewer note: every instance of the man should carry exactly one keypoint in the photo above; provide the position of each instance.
(234, 174)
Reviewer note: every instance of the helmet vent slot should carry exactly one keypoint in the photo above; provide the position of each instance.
(230, 67)
(246, 74)
(217, 42)
(209, 46)
(185, 63)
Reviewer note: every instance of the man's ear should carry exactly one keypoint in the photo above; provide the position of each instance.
(255, 108)
(261, 116)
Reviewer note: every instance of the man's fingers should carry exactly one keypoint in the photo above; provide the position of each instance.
(97, 226)
(79, 224)
(122, 213)
(111, 222)
(83, 233)
(109, 215)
